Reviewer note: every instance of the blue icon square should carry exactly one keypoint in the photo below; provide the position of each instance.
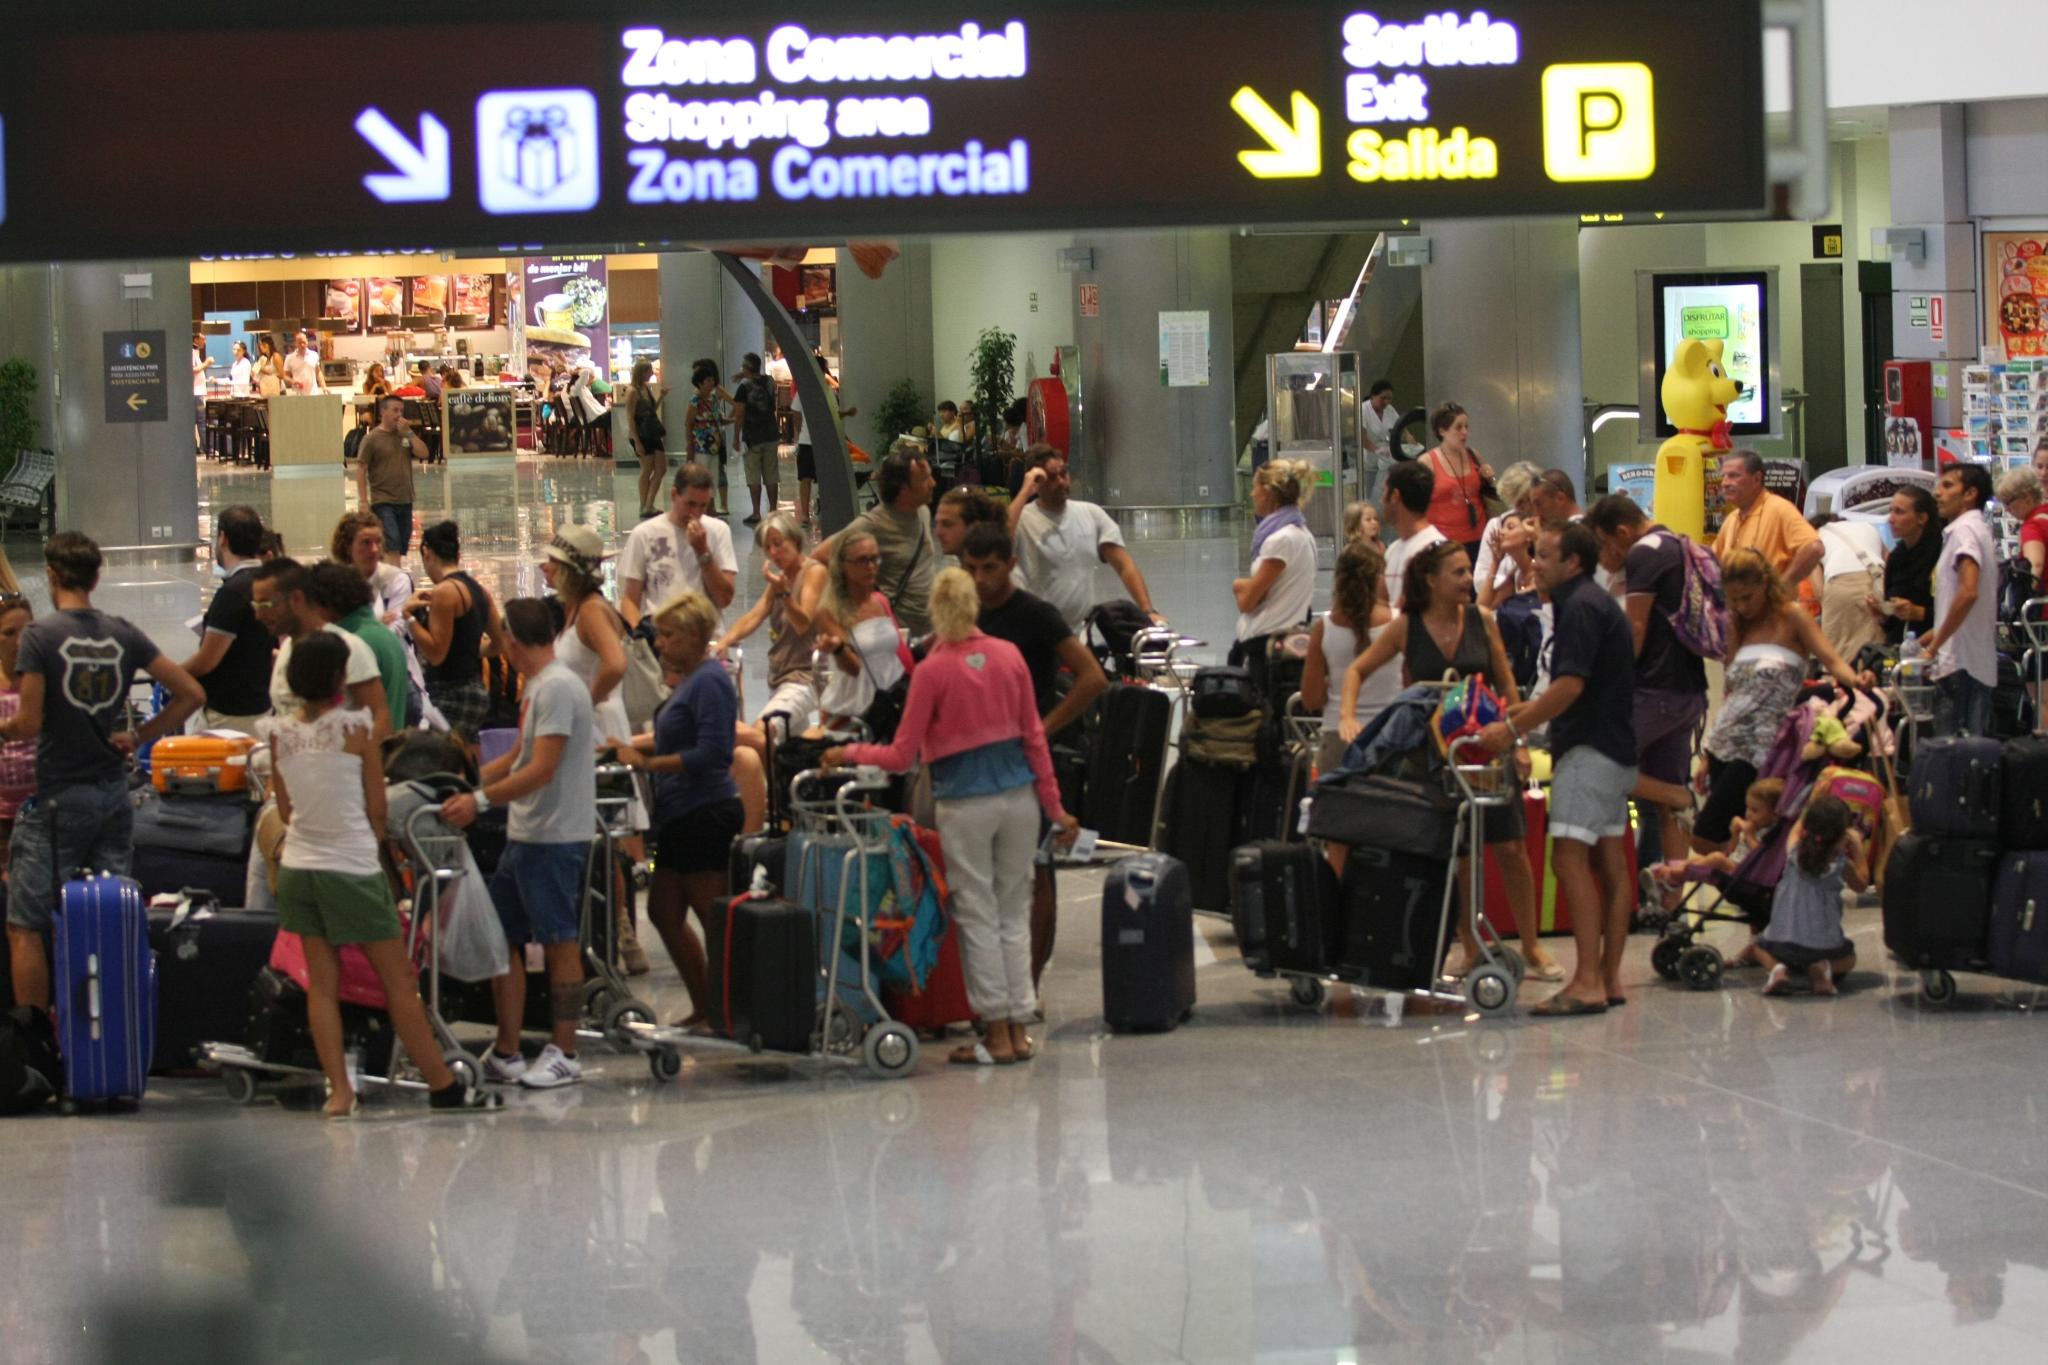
(537, 151)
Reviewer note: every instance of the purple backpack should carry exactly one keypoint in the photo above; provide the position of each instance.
(1700, 620)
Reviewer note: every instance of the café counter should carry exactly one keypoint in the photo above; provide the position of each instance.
(306, 429)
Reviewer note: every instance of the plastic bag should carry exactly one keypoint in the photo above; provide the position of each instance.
(469, 942)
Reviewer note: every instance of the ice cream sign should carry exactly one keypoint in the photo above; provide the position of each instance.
(698, 106)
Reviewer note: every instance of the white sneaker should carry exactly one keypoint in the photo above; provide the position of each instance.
(552, 1068)
(503, 1070)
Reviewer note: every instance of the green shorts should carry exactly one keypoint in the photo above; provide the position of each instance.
(340, 907)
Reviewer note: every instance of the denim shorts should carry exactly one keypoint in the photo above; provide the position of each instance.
(396, 519)
(94, 827)
(538, 892)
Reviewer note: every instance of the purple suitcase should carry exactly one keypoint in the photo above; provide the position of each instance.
(106, 989)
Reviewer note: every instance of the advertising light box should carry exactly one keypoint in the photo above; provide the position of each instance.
(651, 123)
(1739, 309)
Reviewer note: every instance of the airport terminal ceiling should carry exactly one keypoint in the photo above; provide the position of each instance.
(654, 124)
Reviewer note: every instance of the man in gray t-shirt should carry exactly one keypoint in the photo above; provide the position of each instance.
(549, 783)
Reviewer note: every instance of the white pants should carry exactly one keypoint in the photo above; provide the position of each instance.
(990, 842)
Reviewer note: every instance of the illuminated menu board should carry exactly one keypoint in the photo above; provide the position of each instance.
(652, 124)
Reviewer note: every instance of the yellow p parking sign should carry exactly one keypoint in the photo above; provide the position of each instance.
(1599, 121)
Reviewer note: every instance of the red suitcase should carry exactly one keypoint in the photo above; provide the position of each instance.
(1554, 913)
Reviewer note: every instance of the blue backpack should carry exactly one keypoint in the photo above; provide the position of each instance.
(1520, 621)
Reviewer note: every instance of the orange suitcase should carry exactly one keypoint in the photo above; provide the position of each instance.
(200, 765)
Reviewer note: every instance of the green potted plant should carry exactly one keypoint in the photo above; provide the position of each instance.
(993, 370)
(901, 409)
(17, 412)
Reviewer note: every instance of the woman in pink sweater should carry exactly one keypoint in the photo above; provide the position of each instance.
(972, 716)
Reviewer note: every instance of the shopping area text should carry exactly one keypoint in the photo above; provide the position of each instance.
(728, 125)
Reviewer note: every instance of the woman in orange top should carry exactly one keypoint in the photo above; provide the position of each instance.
(1457, 507)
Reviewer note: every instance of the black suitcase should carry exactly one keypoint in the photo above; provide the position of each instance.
(1954, 788)
(1937, 900)
(2023, 794)
(162, 870)
(1391, 813)
(1223, 692)
(1201, 827)
(1130, 753)
(2018, 946)
(1270, 804)
(278, 1031)
(750, 851)
(765, 975)
(1393, 908)
(206, 967)
(1284, 902)
(1148, 944)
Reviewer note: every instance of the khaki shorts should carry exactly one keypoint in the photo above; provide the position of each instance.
(763, 462)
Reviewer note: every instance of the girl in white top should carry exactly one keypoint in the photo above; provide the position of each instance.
(857, 633)
(1282, 584)
(330, 886)
(240, 372)
(1355, 600)
(592, 644)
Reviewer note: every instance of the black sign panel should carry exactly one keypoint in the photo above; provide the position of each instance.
(663, 123)
(137, 390)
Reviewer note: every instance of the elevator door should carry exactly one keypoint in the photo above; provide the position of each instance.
(1826, 382)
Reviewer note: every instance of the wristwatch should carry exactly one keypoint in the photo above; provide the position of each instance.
(483, 802)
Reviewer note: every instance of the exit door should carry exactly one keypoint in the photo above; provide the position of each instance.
(1821, 343)
(1874, 285)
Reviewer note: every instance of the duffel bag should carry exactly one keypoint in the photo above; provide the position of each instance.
(1385, 812)
(216, 825)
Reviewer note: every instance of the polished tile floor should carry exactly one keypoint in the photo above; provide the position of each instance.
(1694, 1178)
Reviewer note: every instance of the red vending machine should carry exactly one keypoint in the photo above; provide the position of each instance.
(1908, 414)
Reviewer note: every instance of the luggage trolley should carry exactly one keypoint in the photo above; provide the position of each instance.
(612, 1013)
(436, 858)
(831, 826)
(1479, 779)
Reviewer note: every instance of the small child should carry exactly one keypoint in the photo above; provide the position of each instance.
(1759, 818)
(1805, 932)
(1361, 523)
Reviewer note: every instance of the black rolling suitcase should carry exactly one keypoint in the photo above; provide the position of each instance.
(750, 851)
(764, 975)
(1393, 907)
(1937, 900)
(1285, 904)
(1148, 944)
(206, 966)
(1200, 828)
(1955, 786)
(1130, 753)
(2023, 794)
(2018, 946)
(278, 1031)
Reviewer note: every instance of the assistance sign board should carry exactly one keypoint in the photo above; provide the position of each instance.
(136, 382)
(618, 123)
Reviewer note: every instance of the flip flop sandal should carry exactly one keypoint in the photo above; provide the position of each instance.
(1562, 1006)
(977, 1055)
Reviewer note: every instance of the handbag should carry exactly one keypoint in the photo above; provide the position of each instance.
(1467, 708)
(642, 689)
(1372, 810)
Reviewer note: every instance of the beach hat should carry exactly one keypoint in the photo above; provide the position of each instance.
(578, 546)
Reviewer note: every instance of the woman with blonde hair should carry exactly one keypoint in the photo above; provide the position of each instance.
(1506, 563)
(857, 633)
(1275, 596)
(1770, 640)
(697, 810)
(973, 717)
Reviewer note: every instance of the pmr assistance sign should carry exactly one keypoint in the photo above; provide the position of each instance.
(822, 123)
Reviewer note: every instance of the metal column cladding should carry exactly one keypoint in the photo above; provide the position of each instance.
(545, 127)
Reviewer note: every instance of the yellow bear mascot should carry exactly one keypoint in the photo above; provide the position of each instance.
(1697, 392)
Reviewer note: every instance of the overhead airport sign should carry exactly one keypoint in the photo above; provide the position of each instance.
(658, 123)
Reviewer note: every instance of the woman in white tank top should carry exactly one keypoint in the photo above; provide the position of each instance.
(1334, 643)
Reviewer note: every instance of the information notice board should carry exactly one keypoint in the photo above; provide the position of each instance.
(545, 128)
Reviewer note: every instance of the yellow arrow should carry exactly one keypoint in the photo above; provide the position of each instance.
(1296, 148)
(136, 402)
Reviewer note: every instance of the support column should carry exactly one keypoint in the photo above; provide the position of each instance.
(128, 485)
(1930, 192)
(692, 327)
(885, 337)
(1144, 445)
(1500, 310)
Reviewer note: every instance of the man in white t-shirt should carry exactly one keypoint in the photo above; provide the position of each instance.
(1405, 507)
(684, 547)
(1964, 643)
(302, 366)
(277, 596)
(1376, 422)
(1061, 540)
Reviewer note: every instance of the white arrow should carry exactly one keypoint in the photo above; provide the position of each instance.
(422, 170)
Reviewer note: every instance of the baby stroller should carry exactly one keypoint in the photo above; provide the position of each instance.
(1743, 894)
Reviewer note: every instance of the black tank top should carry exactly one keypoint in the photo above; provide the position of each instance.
(464, 662)
(1426, 662)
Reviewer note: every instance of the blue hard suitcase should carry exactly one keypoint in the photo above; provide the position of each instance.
(1148, 944)
(105, 988)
